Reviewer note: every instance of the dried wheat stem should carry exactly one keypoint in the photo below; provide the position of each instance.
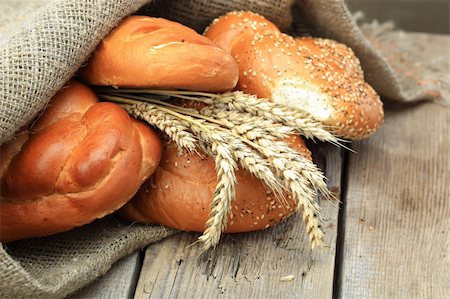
(186, 95)
(213, 144)
(231, 131)
(254, 128)
(299, 120)
(297, 175)
(304, 196)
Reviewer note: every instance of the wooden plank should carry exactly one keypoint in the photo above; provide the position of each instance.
(397, 208)
(118, 283)
(247, 265)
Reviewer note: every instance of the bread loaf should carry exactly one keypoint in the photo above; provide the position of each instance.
(319, 76)
(148, 52)
(80, 161)
(180, 192)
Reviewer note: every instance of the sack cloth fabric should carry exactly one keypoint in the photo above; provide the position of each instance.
(43, 43)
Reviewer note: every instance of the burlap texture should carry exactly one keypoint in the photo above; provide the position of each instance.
(381, 52)
(420, 62)
(43, 43)
(198, 14)
(47, 49)
(55, 266)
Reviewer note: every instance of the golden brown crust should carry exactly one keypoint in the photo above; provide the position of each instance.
(157, 53)
(225, 30)
(80, 161)
(179, 195)
(320, 76)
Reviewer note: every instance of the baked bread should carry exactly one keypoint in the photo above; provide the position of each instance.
(320, 76)
(148, 52)
(180, 192)
(226, 30)
(81, 161)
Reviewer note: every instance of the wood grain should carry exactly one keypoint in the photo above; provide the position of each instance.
(247, 265)
(397, 208)
(118, 283)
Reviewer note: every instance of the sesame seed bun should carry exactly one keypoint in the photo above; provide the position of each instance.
(148, 52)
(226, 29)
(320, 76)
(180, 192)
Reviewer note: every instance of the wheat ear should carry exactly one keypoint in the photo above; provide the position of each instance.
(297, 172)
(214, 145)
(248, 144)
(177, 129)
(301, 121)
(248, 125)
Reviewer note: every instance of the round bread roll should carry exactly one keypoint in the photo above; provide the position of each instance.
(148, 52)
(319, 76)
(180, 192)
(81, 161)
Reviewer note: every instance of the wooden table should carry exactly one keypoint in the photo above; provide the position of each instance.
(390, 238)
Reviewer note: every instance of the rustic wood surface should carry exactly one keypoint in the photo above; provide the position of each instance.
(248, 265)
(397, 209)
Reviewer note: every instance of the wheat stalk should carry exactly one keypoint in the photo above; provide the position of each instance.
(177, 129)
(263, 131)
(286, 156)
(301, 121)
(250, 126)
(297, 175)
(231, 131)
(212, 143)
(215, 145)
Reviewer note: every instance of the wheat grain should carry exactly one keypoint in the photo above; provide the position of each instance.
(287, 156)
(297, 177)
(301, 121)
(214, 144)
(250, 126)
(297, 119)
(178, 130)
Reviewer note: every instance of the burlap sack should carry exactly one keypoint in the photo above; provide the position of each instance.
(55, 266)
(43, 43)
(36, 59)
